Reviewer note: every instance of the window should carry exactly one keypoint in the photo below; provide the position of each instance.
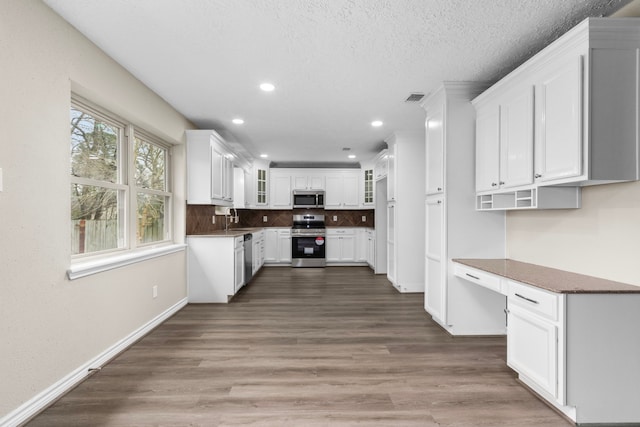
(116, 170)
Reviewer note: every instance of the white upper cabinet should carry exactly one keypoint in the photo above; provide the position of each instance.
(516, 139)
(381, 165)
(488, 148)
(342, 190)
(280, 190)
(559, 141)
(574, 105)
(304, 180)
(209, 169)
(434, 151)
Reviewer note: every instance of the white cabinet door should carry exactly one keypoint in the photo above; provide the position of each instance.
(342, 190)
(434, 151)
(435, 286)
(280, 191)
(488, 148)
(560, 117)
(348, 247)
(391, 172)
(271, 245)
(332, 249)
(218, 172)
(391, 247)
(351, 186)
(239, 268)
(362, 247)
(284, 246)
(516, 138)
(532, 348)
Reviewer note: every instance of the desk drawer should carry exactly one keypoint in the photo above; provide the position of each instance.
(478, 277)
(535, 300)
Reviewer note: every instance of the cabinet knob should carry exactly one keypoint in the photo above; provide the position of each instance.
(439, 201)
(501, 182)
(538, 175)
(439, 188)
(494, 184)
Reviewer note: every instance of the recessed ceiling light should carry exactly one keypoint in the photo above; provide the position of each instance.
(267, 87)
(352, 156)
(264, 156)
(238, 121)
(376, 123)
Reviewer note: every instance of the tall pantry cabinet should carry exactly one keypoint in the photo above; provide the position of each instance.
(453, 227)
(405, 211)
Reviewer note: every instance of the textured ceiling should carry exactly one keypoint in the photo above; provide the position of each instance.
(337, 64)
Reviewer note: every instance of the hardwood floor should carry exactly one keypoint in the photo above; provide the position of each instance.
(305, 347)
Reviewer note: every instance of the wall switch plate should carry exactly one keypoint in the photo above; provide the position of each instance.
(364, 218)
(154, 291)
(0, 179)
(264, 218)
(335, 217)
(213, 219)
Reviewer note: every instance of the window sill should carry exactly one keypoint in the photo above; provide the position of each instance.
(87, 268)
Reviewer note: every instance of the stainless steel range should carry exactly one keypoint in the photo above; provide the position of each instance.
(308, 241)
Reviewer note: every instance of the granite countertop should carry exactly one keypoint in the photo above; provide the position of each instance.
(228, 233)
(551, 279)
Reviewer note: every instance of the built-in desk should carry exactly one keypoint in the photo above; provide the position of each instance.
(573, 339)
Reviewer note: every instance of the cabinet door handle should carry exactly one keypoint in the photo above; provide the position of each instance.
(472, 276)
(439, 188)
(538, 175)
(527, 299)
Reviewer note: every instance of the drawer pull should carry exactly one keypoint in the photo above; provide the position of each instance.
(472, 276)
(527, 299)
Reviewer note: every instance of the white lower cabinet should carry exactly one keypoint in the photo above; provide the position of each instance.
(341, 245)
(277, 245)
(533, 348)
(215, 268)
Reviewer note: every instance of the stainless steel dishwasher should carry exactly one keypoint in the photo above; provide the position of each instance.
(248, 257)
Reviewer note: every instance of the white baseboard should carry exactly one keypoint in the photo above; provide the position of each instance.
(43, 399)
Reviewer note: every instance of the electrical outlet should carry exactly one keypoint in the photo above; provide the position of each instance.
(364, 218)
(154, 291)
(213, 219)
(264, 218)
(335, 217)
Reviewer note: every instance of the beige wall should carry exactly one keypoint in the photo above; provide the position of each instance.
(601, 239)
(50, 326)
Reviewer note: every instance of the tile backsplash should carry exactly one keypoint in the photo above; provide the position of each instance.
(199, 218)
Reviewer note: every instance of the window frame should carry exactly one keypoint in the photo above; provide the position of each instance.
(128, 250)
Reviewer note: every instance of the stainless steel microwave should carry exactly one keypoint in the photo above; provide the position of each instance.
(308, 199)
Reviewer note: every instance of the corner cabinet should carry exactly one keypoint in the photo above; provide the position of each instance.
(209, 169)
(453, 228)
(564, 106)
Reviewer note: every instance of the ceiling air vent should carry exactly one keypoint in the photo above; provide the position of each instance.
(415, 97)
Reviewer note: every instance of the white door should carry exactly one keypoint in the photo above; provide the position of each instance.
(516, 139)
(435, 286)
(280, 191)
(270, 245)
(488, 148)
(350, 189)
(435, 151)
(559, 133)
(333, 248)
(217, 174)
(532, 348)
(333, 193)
